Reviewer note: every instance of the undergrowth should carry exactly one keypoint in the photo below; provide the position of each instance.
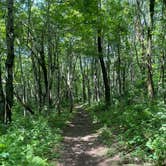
(29, 141)
(140, 128)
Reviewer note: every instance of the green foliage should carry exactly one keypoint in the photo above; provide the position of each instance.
(106, 135)
(140, 127)
(29, 141)
(157, 144)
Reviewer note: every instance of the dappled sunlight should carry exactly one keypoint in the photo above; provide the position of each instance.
(98, 151)
(81, 144)
(89, 138)
(80, 106)
(82, 82)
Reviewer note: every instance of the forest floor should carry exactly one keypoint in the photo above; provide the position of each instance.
(82, 147)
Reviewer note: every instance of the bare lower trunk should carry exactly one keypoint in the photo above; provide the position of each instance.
(83, 81)
(2, 99)
(104, 71)
(119, 72)
(150, 84)
(9, 60)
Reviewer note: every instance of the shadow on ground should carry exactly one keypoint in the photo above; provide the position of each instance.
(81, 146)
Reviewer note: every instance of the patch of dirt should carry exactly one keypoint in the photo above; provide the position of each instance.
(81, 146)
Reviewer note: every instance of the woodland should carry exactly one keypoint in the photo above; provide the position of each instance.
(105, 59)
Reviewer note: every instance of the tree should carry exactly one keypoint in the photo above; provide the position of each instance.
(10, 59)
(2, 97)
(150, 83)
(104, 71)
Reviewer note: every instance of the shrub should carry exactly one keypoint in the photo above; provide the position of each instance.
(139, 125)
(28, 142)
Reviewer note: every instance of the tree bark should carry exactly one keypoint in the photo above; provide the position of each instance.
(103, 68)
(43, 66)
(22, 79)
(25, 105)
(150, 84)
(83, 81)
(119, 71)
(9, 60)
(2, 98)
(50, 59)
(37, 81)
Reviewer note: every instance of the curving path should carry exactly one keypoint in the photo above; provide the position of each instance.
(81, 146)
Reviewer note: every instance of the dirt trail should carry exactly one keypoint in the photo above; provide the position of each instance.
(81, 146)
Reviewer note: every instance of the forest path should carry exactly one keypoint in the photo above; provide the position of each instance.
(81, 146)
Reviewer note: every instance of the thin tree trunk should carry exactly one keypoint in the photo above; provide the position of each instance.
(104, 71)
(58, 86)
(50, 65)
(37, 82)
(150, 83)
(163, 64)
(124, 80)
(119, 71)
(2, 98)
(44, 68)
(25, 105)
(83, 81)
(88, 86)
(23, 82)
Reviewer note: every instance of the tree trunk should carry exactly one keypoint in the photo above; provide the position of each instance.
(150, 84)
(44, 68)
(119, 71)
(25, 105)
(104, 71)
(124, 80)
(9, 60)
(2, 98)
(50, 64)
(89, 88)
(37, 81)
(83, 81)
(22, 79)
(164, 52)
(58, 86)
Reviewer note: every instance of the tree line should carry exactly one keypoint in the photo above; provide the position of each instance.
(56, 53)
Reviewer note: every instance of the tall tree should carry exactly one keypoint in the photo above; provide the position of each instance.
(101, 58)
(2, 98)
(150, 82)
(10, 59)
(104, 71)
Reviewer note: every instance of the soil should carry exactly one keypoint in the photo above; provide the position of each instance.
(81, 146)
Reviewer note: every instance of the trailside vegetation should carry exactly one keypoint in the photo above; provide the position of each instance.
(55, 54)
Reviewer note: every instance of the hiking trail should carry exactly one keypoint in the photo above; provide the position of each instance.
(81, 146)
